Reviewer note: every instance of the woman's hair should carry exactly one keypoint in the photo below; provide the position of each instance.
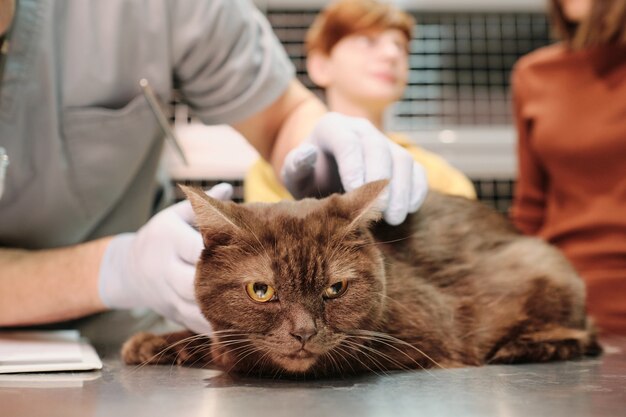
(606, 24)
(346, 17)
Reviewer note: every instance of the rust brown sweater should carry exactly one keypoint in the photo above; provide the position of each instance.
(571, 120)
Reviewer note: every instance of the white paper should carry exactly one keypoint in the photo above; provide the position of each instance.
(54, 380)
(45, 351)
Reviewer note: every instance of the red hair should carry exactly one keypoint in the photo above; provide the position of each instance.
(346, 17)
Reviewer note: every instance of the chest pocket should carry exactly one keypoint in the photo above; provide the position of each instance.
(106, 149)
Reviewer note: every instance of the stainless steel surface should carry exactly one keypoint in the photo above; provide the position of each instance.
(591, 387)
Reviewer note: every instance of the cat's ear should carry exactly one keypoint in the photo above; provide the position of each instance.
(363, 205)
(212, 215)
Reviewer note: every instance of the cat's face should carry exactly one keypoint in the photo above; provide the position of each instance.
(284, 284)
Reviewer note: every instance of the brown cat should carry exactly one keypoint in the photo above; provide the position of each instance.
(321, 288)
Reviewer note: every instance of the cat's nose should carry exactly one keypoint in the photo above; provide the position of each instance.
(303, 335)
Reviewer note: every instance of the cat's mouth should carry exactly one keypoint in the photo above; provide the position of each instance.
(301, 353)
(298, 361)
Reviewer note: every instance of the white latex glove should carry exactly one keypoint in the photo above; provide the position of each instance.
(349, 151)
(156, 266)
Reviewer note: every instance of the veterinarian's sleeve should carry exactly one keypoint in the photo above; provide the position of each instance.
(527, 211)
(228, 63)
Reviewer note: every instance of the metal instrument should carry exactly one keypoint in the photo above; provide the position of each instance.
(4, 162)
(157, 110)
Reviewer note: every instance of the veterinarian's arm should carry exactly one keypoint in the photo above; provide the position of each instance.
(284, 124)
(317, 153)
(50, 285)
(253, 88)
(153, 268)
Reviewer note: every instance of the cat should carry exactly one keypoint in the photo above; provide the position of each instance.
(322, 288)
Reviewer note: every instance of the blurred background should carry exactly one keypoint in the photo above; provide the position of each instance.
(457, 102)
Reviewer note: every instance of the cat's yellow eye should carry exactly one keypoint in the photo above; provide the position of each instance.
(260, 292)
(336, 290)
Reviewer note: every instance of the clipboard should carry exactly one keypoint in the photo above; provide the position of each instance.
(46, 351)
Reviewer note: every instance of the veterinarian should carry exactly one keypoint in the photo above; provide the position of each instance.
(83, 147)
(570, 103)
(363, 71)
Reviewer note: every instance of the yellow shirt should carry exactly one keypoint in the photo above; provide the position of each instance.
(261, 184)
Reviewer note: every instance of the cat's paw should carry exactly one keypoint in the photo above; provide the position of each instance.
(551, 345)
(145, 348)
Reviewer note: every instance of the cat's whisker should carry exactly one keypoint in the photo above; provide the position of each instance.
(278, 371)
(257, 251)
(384, 341)
(383, 336)
(249, 229)
(339, 242)
(347, 351)
(328, 356)
(342, 357)
(337, 245)
(315, 376)
(227, 343)
(266, 360)
(382, 354)
(236, 351)
(340, 366)
(211, 335)
(382, 242)
(162, 352)
(379, 353)
(360, 348)
(253, 350)
(201, 351)
(191, 351)
(366, 356)
(348, 229)
(214, 332)
(400, 304)
(224, 343)
(396, 340)
(231, 350)
(221, 343)
(398, 364)
(140, 366)
(148, 361)
(230, 336)
(187, 339)
(257, 362)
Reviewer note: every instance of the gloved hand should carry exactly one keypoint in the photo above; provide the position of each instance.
(155, 267)
(349, 151)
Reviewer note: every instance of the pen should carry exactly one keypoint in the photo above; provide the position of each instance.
(161, 118)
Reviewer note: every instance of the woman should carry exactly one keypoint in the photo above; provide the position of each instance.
(570, 105)
(357, 51)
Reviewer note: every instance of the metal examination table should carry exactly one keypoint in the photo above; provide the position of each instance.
(591, 387)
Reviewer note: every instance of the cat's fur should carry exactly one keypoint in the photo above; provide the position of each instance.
(454, 285)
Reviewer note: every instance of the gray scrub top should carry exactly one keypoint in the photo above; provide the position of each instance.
(83, 143)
